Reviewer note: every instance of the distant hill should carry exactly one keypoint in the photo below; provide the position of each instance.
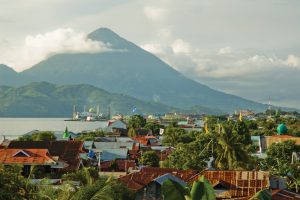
(9, 77)
(135, 72)
(49, 100)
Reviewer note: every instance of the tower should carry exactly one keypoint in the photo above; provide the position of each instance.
(108, 113)
(74, 111)
(98, 110)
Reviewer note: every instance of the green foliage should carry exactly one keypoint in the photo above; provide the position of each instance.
(41, 99)
(174, 136)
(39, 136)
(264, 194)
(279, 156)
(88, 191)
(252, 125)
(13, 185)
(191, 155)
(201, 190)
(230, 149)
(241, 131)
(86, 176)
(154, 127)
(150, 158)
(113, 165)
(90, 136)
(172, 190)
(131, 132)
(46, 191)
(136, 121)
(294, 177)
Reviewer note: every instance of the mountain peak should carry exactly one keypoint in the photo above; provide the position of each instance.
(7, 69)
(106, 35)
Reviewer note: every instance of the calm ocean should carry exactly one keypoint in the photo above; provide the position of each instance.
(18, 126)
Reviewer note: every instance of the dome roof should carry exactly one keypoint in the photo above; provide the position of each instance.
(282, 129)
(91, 110)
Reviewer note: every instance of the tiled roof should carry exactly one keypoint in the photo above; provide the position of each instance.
(138, 180)
(67, 151)
(26, 156)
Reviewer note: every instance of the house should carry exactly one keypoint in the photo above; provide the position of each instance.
(264, 142)
(147, 140)
(147, 182)
(118, 165)
(100, 146)
(113, 154)
(27, 158)
(66, 153)
(267, 141)
(115, 125)
(124, 139)
(240, 185)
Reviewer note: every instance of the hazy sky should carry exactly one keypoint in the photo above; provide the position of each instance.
(249, 48)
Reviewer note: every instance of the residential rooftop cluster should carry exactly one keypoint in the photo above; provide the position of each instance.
(241, 156)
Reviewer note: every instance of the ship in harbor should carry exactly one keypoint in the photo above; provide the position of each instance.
(91, 114)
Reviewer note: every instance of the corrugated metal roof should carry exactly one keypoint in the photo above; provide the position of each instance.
(112, 154)
(113, 145)
(161, 179)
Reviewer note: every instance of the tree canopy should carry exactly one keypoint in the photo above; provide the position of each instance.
(136, 121)
(39, 136)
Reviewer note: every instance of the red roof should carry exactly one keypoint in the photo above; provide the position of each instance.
(139, 180)
(145, 140)
(67, 151)
(26, 156)
(121, 164)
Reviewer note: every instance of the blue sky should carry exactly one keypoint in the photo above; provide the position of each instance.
(249, 48)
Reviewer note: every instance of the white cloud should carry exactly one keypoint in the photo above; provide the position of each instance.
(181, 47)
(39, 47)
(155, 13)
(225, 50)
(154, 48)
(292, 61)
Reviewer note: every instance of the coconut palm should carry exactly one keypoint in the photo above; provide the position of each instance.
(230, 152)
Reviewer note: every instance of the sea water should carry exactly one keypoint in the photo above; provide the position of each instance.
(14, 127)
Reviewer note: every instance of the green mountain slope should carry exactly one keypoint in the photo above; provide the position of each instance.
(49, 100)
(9, 77)
(133, 71)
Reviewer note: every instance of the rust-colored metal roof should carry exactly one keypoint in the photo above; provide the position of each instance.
(26, 157)
(239, 183)
(285, 195)
(121, 165)
(138, 180)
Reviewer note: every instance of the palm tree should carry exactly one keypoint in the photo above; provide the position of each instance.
(231, 153)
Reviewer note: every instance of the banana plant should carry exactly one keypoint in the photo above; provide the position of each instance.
(262, 195)
(201, 190)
